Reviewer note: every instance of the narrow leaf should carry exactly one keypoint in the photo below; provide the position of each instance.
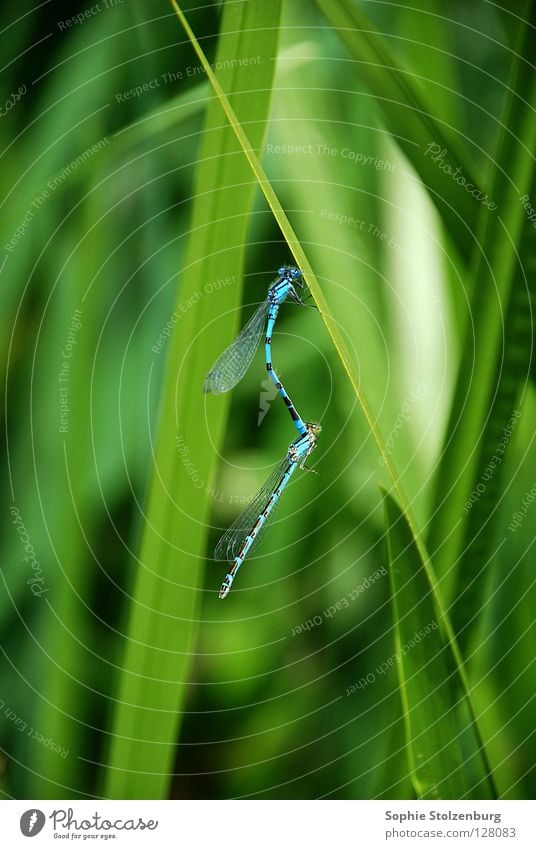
(446, 756)
(427, 141)
(482, 379)
(164, 609)
(302, 261)
(513, 361)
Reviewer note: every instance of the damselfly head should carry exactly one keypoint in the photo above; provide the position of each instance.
(313, 427)
(291, 273)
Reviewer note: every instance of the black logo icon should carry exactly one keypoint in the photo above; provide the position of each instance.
(31, 822)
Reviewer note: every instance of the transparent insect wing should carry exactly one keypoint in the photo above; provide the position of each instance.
(231, 541)
(231, 366)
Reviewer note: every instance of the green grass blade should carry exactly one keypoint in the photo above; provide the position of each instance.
(412, 120)
(347, 362)
(58, 684)
(512, 370)
(175, 112)
(302, 261)
(165, 603)
(481, 376)
(512, 366)
(447, 758)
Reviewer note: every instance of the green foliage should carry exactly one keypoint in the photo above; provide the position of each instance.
(484, 396)
(411, 118)
(164, 609)
(147, 164)
(445, 752)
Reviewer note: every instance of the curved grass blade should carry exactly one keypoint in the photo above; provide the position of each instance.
(164, 609)
(481, 379)
(412, 120)
(169, 115)
(513, 362)
(509, 384)
(302, 262)
(447, 758)
(176, 111)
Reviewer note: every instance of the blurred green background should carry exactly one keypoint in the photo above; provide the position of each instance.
(125, 199)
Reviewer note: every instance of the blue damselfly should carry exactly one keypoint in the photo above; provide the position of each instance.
(232, 365)
(248, 529)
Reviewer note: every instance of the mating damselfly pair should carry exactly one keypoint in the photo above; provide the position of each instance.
(227, 371)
